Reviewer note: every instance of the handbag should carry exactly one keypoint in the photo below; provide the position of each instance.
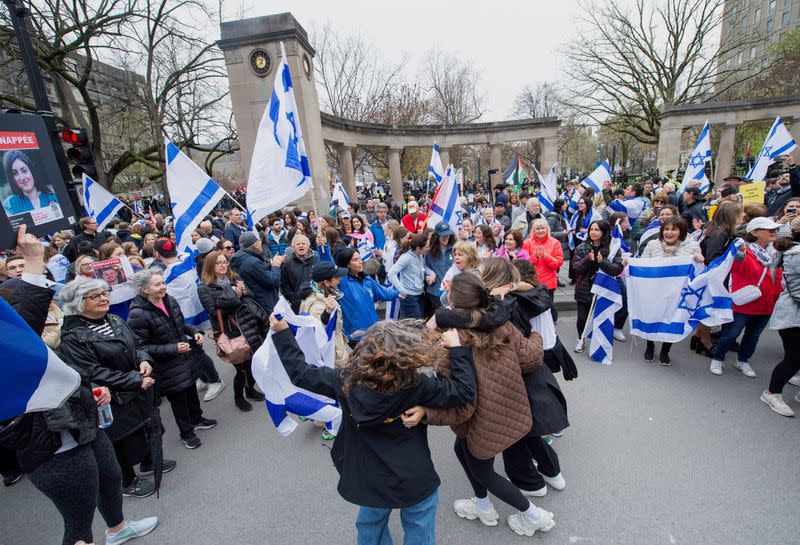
(234, 351)
(749, 293)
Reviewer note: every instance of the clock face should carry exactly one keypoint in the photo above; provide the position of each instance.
(260, 62)
(307, 66)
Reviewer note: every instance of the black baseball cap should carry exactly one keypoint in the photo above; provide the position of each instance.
(325, 271)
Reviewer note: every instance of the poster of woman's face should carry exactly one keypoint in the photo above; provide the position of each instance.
(25, 189)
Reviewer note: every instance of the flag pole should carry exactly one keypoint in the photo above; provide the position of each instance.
(589, 318)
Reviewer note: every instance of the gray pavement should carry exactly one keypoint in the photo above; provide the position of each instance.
(670, 455)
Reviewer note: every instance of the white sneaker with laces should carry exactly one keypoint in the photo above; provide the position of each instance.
(466, 509)
(578, 346)
(715, 368)
(556, 482)
(619, 335)
(535, 493)
(214, 389)
(745, 368)
(776, 403)
(200, 385)
(524, 526)
(132, 530)
(795, 380)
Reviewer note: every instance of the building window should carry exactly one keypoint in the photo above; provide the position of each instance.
(771, 6)
(757, 16)
(785, 19)
(740, 58)
(753, 52)
(786, 3)
(770, 25)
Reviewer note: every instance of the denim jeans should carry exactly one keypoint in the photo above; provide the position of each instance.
(412, 307)
(207, 372)
(752, 324)
(419, 523)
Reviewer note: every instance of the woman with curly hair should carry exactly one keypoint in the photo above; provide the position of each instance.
(382, 464)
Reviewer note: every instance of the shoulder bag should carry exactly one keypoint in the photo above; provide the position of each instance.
(748, 294)
(235, 350)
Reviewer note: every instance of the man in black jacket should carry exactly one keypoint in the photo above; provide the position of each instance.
(296, 270)
(693, 209)
(262, 279)
(88, 232)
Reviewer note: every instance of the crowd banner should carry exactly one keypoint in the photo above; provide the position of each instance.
(118, 274)
(630, 206)
(696, 169)
(181, 279)
(279, 170)
(34, 377)
(282, 397)
(778, 142)
(752, 192)
(99, 203)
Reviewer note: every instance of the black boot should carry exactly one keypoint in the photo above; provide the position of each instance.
(255, 395)
(663, 356)
(649, 351)
(242, 404)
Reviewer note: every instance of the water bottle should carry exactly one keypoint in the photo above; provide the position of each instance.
(104, 415)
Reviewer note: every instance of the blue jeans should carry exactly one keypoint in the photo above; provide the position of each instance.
(752, 324)
(419, 523)
(412, 307)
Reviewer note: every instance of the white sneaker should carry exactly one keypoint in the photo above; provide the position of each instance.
(556, 482)
(524, 526)
(745, 368)
(466, 509)
(579, 346)
(619, 335)
(214, 389)
(776, 403)
(715, 368)
(535, 493)
(795, 380)
(200, 385)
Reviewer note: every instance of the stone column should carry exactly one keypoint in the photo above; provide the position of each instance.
(794, 129)
(549, 155)
(444, 155)
(395, 174)
(346, 170)
(725, 154)
(495, 156)
(669, 149)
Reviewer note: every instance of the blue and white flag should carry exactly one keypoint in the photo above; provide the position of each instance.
(34, 377)
(445, 207)
(649, 232)
(575, 229)
(548, 192)
(436, 170)
(685, 299)
(279, 170)
(631, 206)
(365, 248)
(99, 203)
(192, 192)
(608, 300)
(696, 169)
(617, 242)
(283, 397)
(339, 197)
(778, 142)
(596, 179)
(181, 280)
(571, 199)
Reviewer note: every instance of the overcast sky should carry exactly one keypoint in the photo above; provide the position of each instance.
(511, 43)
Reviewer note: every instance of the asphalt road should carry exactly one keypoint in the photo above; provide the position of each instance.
(654, 455)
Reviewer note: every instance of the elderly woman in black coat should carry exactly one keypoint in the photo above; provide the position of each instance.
(158, 321)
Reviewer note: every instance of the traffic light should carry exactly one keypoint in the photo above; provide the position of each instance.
(80, 153)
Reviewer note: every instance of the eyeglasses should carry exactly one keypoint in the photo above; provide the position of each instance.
(222, 262)
(96, 296)
(227, 247)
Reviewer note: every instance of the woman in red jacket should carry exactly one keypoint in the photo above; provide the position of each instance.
(754, 266)
(546, 254)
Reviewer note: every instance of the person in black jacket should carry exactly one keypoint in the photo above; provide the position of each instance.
(158, 321)
(261, 278)
(88, 233)
(296, 269)
(382, 464)
(233, 310)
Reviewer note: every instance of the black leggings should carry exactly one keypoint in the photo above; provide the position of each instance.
(664, 346)
(520, 469)
(79, 480)
(790, 364)
(484, 479)
(583, 315)
(243, 379)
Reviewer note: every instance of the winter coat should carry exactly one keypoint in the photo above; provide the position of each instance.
(112, 362)
(439, 265)
(260, 277)
(586, 270)
(277, 244)
(252, 319)
(558, 230)
(97, 240)
(546, 266)
(313, 303)
(500, 413)
(160, 334)
(521, 253)
(687, 247)
(523, 223)
(714, 245)
(232, 233)
(381, 463)
(294, 272)
(692, 212)
(748, 272)
(414, 226)
(52, 327)
(358, 303)
(786, 313)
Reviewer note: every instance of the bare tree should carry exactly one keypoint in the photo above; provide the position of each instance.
(454, 89)
(635, 64)
(540, 100)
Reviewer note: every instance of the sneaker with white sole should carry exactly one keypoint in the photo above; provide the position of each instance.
(715, 368)
(524, 526)
(579, 346)
(132, 530)
(795, 380)
(619, 336)
(556, 482)
(776, 403)
(466, 509)
(745, 368)
(213, 390)
(535, 493)
(200, 385)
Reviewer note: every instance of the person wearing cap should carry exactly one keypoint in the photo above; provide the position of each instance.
(414, 221)
(203, 245)
(262, 278)
(166, 254)
(439, 259)
(501, 216)
(754, 266)
(320, 298)
(693, 211)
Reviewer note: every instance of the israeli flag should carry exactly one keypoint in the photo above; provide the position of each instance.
(649, 232)
(574, 228)
(445, 207)
(436, 170)
(779, 142)
(596, 179)
(685, 299)
(181, 280)
(283, 397)
(99, 203)
(617, 242)
(34, 377)
(193, 193)
(548, 192)
(365, 248)
(279, 170)
(339, 196)
(696, 169)
(631, 206)
(608, 300)
(571, 200)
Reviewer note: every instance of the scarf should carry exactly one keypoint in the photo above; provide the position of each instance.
(669, 250)
(763, 255)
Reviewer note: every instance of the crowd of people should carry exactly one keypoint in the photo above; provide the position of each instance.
(434, 325)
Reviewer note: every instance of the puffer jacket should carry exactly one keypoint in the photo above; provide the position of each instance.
(547, 265)
(586, 270)
(687, 247)
(748, 272)
(252, 319)
(313, 303)
(261, 278)
(786, 313)
(294, 272)
(558, 230)
(160, 335)
(500, 414)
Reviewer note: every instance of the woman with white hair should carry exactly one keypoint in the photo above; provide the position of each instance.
(546, 253)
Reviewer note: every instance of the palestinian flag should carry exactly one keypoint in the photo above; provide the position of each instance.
(514, 174)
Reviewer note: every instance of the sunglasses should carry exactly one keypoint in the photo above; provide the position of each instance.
(227, 247)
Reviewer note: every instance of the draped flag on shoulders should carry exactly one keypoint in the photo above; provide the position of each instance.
(596, 179)
(571, 199)
(686, 297)
(548, 193)
(574, 228)
(34, 377)
(778, 142)
(608, 300)
(192, 192)
(696, 169)
(99, 203)
(617, 242)
(445, 207)
(436, 169)
(339, 196)
(649, 232)
(181, 280)
(279, 169)
(631, 206)
(282, 397)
